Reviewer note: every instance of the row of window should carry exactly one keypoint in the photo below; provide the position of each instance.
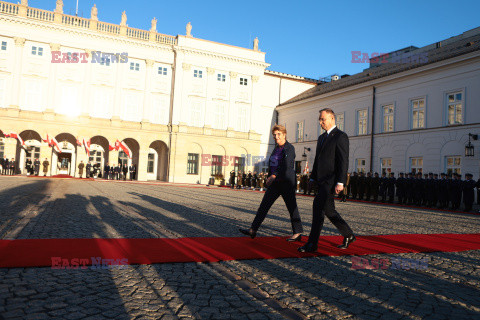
(455, 102)
(453, 164)
(216, 165)
(220, 77)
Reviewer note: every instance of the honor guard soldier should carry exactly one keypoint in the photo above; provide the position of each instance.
(436, 190)
(368, 186)
(81, 165)
(375, 186)
(28, 166)
(457, 186)
(443, 191)
(383, 186)
(361, 185)
(468, 192)
(297, 181)
(354, 184)
(478, 191)
(45, 165)
(88, 168)
(418, 189)
(400, 184)
(391, 187)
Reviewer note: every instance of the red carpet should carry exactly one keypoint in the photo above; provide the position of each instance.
(39, 252)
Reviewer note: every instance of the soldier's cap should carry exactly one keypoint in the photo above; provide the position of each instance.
(468, 175)
(442, 174)
(401, 172)
(430, 174)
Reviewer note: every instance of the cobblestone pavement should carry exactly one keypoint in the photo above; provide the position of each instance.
(307, 288)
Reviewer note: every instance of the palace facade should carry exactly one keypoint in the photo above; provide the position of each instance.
(185, 108)
(415, 109)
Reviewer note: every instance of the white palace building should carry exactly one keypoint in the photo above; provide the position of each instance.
(415, 109)
(183, 108)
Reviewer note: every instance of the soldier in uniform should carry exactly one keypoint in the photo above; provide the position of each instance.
(36, 166)
(368, 186)
(297, 183)
(133, 172)
(383, 186)
(125, 171)
(344, 193)
(429, 190)
(261, 178)
(361, 185)
(443, 191)
(400, 184)
(436, 189)
(468, 192)
(45, 165)
(249, 179)
(478, 191)
(112, 172)
(457, 186)
(418, 189)
(81, 165)
(391, 187)
(354, 185)
(375, 186)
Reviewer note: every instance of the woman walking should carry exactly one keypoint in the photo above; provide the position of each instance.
(280, 182)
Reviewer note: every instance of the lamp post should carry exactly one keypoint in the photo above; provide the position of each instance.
(304, 155)
(469, 148)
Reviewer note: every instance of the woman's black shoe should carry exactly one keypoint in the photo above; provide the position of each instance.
(247, 232)
(297, 238)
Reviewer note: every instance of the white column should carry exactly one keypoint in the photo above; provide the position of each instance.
(253, 101)
(87, 92)
(147, 99)
(208, 119)
(117, 101)
(52, 80)
(231, 106)
(178, 86)
(17, 72)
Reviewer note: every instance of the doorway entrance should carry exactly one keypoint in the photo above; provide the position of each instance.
(64, 163)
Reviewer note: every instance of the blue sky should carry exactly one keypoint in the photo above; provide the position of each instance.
(304, 37)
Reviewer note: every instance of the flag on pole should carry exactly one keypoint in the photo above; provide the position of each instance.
(306, 169)
(55, 145)
(125, 148)
(79, 143)
(86, 145)
(112, 147)
(48, 141)
(15, 136)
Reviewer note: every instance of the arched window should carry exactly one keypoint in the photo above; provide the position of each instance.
(122, 158)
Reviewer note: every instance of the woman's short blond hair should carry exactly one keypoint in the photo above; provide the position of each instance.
(279, 127)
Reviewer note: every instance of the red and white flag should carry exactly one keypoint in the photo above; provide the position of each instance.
(111, 148)
(86, 145)
(48, 141)
(306, 169)
(55, 145)
(16, 136)
(125, 148)
(79, 143)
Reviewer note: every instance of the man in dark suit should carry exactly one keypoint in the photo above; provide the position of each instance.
(12, 167)
(133, 171)
(36, 165)
(106, 171)
(125, 171)
(330, 174)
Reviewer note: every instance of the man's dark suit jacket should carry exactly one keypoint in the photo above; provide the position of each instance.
(286, 168)
(331, 159)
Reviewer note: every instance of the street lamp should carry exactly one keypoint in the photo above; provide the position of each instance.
(304, 155)
(469, 148)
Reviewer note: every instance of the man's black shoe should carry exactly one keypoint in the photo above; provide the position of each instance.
(309, 247)
(247, 232)
(347, 241)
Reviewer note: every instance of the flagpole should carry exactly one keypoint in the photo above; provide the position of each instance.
(76, 12)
